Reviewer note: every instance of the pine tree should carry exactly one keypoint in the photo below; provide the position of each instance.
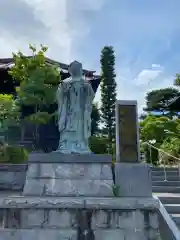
(108, 92)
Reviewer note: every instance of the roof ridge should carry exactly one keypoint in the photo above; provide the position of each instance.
(49, 60)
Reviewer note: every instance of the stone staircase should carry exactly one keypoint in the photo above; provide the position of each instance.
(168, 191)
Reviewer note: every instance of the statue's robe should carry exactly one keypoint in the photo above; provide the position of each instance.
(74, 110)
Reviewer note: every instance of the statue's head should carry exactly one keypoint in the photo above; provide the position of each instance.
(75, 69)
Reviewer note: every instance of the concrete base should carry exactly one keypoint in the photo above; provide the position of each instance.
(64, 175)
(26, 218)
(134, 179)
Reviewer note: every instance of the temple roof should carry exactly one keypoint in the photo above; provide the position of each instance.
(6, 63)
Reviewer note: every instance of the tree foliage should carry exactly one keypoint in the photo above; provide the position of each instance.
(157, 128)
(158, 100)
(38, 82)
(177, 80)
(9, 114)
(108, 91)
(171, 145)
(160, 126)
(13, 154)
(98, 145)
(95, 119)
(160, 132)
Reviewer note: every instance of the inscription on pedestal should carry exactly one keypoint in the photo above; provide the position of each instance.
(127, 135)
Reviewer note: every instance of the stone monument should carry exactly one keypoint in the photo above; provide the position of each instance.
(134, 177)
(72, 170)
(127, 132)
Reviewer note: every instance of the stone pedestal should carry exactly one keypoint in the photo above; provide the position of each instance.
(66, 175)
(134, 179)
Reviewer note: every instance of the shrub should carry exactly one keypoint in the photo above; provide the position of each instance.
(171, 148)
(98, 145)
(13, 154)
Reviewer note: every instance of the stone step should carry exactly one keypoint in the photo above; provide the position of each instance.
(156, 169)
(166, 183)
(36, 234)
(172, 208)
(176, 218)
(67, 234)
(162, 173)
(170, 200)
(165, 189)
(162, 178)
(11, 186)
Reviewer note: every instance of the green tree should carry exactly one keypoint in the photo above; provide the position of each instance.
(157, 130)
(158, 100)
(95, 119)
(177, 80)
(171, 145)
(143, 116)
(9, 114)
(108, 93)
(38, 83)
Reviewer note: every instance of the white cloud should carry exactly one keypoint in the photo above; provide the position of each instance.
(146, 81)
(54, 16)
(89, 5)
(130, 90)
(56, 23)
(156, 65)
(137, 88)
(11, 44)
(146, 76)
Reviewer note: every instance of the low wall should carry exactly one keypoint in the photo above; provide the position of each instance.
(79, 218)
(12, 177)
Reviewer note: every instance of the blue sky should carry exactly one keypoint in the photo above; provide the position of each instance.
(145, 35)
